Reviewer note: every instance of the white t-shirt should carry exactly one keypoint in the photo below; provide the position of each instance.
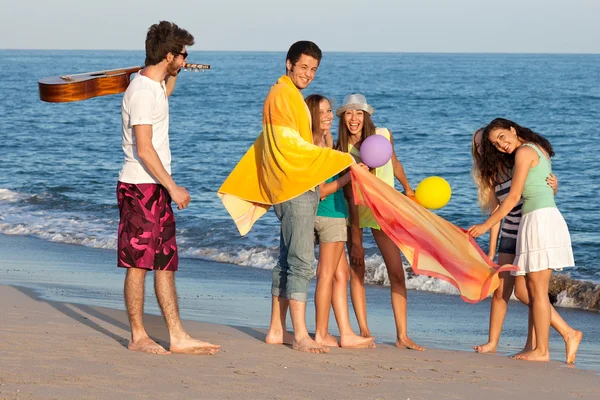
(145, 103)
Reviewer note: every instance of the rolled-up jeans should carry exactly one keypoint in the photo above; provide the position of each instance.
(295, 267)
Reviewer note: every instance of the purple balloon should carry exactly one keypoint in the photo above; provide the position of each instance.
(375, 151)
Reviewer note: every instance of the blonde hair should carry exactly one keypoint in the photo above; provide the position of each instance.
(483, 188)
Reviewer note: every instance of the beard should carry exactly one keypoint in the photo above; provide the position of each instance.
(173, 68)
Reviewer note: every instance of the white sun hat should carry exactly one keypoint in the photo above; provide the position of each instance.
(354, 101)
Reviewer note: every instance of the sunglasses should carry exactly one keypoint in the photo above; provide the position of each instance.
(184, 54)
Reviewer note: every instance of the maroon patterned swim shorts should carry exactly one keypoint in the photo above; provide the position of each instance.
(147, 227)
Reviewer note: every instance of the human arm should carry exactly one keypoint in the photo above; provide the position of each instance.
(152, 163)
(325, 189)
(523, 160)
(495, 230)
(399, 171)
(170, 82)
(357, 251)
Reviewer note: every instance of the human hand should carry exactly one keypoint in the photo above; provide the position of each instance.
(491, 254)
(552, 181)
(477, 230)
(363, 166)
(357, 255)
(180, 196)
(409, 192)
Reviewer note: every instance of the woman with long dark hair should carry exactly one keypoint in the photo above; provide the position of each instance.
(543, 241)
(490, 195)
(354, 127)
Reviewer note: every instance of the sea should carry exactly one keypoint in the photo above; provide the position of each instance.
(59, 164)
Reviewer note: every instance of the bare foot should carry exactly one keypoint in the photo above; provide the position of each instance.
(533, 355)
(525, 350)
(147, 345)
(189, 345)
(407, 343)
(572, 344)
(357, 342)
(308, 345)
(279, 337)
(328, 340)
(489, 347)
(365, 333)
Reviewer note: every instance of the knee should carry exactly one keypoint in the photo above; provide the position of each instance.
(498, 294)
(342, 276)
(396, 277)
(324, 275)
(522, 295)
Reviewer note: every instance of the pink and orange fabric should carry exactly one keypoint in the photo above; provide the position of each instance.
(432, 245)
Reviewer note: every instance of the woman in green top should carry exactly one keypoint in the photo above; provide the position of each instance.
(543, 240)
(330, 228)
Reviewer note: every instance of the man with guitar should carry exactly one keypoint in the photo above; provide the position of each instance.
(146, 238)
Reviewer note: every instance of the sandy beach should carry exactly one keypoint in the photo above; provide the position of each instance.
(52, 350)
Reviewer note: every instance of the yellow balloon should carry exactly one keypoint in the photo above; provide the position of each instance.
(433, 192)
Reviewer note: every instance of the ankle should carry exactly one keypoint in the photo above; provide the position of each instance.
(402, 337)
(321, 335)
(276, 329)
(298, 337)
(138, 335)
(178, 335)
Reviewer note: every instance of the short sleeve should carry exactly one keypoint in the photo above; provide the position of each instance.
(141, 105)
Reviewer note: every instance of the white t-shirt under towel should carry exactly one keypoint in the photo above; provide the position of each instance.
(145, 103)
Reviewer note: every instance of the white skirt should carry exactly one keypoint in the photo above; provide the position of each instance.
(543, 242)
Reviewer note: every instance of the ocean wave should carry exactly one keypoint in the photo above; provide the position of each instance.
(376, 274)
(19, 217)
(9, 196)
(249, 257)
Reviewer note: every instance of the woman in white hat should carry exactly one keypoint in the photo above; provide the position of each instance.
(354, 127)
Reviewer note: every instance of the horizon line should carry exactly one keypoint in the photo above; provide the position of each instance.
(331, 51)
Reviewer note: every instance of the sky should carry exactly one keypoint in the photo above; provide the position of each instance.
(454, 26)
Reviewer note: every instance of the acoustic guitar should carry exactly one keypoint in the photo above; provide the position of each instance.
(57, 89)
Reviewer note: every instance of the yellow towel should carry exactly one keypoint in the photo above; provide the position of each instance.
(282, 163)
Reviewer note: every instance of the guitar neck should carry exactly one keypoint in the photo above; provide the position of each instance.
(128, 71)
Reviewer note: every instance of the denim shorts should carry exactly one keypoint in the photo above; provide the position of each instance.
(507, 245)
(330, 230)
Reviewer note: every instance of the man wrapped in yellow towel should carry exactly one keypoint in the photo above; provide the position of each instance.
(284, 168)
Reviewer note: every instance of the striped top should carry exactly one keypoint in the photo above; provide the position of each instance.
(510, 224)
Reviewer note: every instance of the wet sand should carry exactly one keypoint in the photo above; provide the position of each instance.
(52, 350)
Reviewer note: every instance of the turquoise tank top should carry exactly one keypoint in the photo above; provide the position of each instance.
(536, 192)
(334, 205)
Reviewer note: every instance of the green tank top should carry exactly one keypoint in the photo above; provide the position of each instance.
(334, 205)
(536, 192)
